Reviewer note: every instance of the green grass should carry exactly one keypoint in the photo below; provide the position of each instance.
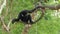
(46, 27)
(50, 26)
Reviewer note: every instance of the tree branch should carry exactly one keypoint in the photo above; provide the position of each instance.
(2, 6)
(6, 27)
(52, 7)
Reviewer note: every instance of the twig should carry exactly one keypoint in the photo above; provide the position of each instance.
(4, 25)
(2, 6)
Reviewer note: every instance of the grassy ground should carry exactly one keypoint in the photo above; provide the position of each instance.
(51, 26)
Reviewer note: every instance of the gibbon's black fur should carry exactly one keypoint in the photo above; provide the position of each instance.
(24, 16)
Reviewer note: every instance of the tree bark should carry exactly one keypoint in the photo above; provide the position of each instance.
(52, 7)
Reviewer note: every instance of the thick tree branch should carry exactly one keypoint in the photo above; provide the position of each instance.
(52, 7)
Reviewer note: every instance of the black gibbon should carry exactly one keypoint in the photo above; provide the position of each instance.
(24, 16)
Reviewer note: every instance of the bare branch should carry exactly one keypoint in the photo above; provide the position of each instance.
(4, 25)
(52, 7)
(2, 6)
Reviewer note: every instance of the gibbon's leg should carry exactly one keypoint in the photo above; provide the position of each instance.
(30, 19)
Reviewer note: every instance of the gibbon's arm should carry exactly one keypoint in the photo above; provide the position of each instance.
(36, 9)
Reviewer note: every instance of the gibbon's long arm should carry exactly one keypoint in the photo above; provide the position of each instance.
(35, 9)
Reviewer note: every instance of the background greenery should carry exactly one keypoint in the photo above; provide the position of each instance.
(48, 25)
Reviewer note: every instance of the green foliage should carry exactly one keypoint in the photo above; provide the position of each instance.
(50, 26)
